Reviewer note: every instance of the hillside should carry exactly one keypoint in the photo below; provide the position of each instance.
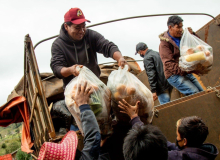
(4, 131)
(10, 138)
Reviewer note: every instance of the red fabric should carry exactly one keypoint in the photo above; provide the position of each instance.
(15, 111)
(65, 150)
(6, 157)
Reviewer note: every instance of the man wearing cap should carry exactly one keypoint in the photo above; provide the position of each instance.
(77, 46)
(153, 65)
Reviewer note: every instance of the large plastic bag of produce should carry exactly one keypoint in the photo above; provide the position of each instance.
(99, 101)
(125, 85)
(195, 54)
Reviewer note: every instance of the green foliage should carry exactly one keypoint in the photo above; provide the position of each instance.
(17, 130)
(2, 152)
(4, 145)
(12, 147)
(23, 156)
(9, 132)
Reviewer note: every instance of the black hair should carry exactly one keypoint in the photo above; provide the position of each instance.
(69, 23)
(194, 130)
(145, 142)
(173, 20)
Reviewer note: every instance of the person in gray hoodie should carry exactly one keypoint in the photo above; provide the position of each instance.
(77, 45)
(93, 148)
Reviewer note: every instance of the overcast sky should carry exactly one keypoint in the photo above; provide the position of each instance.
(43, 18)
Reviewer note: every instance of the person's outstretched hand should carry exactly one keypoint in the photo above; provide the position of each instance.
(131, 111)
(74, 70)
(82, 95)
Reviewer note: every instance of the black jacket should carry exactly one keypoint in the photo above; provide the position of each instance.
(206, 152)
(67, 52)
(154, 69)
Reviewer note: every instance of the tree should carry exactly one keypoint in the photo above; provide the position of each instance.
(4, 145)
(1, 135)
(12, 147)
(9, 132)
(23, 156)
(17, 130)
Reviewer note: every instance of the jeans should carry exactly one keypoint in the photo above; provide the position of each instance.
(74, 128)
(187, 85)
(165, 96)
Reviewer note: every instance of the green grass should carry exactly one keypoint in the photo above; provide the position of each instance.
(12, 144)
(10, 138)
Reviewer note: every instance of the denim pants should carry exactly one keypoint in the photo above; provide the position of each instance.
(165, 96)
(187, 85)
(74, 128)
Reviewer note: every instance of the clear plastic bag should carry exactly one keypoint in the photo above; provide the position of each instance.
(99, 101)
(195, 54)
(124, 85)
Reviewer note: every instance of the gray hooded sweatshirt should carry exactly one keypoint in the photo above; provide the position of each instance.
(67, 52)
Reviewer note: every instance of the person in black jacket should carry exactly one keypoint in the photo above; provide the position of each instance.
(191, 133)
(153, 65)
(77, 45)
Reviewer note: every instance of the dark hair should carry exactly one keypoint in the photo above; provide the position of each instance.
(173, 20)
(69, 23)
(194, 130)
(145, 142)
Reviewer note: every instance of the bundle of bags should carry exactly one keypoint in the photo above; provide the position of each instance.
(124, 85)
(121, 85)
(195, 54)
(99, 101)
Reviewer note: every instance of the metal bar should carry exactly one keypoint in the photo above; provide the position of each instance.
(122, 19)
(126, 61)
(187, 98)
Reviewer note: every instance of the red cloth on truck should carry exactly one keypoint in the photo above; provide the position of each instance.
(15, 111)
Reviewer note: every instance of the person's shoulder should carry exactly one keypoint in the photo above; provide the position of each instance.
(175, 155)
(151, 53)
(57, 40)
(91, 32)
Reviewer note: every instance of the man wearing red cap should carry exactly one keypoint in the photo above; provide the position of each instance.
(77, 45)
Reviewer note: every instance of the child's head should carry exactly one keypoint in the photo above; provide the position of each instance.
(145, 142)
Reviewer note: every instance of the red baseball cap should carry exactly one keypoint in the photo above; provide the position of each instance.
(75, 15)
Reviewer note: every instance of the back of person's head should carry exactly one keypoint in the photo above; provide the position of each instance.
(174, 20)
(194, 130)
(145, 143)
